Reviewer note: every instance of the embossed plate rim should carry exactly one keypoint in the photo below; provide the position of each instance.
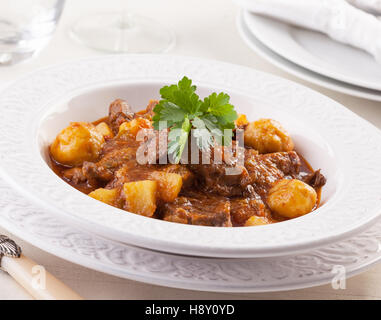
(42, 229)
(26, 99)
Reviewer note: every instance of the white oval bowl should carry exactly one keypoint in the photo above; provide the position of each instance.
(346, 148)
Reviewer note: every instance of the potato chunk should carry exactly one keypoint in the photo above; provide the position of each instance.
(131, 128)
(108, 196)
(78, 142)
(169, 185)
(291, 198)
(267, 136)
(140, 197)
(104, 130)
(241, 120)
(256, 221)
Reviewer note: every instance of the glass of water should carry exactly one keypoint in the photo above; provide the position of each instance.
(26, 26)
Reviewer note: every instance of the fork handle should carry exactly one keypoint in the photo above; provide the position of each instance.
(36, 280)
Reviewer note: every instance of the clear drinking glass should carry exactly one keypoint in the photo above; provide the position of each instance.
(26, 26)
(122, 32)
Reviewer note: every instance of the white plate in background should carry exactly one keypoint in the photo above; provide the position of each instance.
(316, 51)
(299, 71)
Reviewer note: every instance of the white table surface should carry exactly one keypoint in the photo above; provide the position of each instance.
(204, 28)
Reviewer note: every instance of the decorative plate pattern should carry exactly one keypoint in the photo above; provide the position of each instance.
(42, 229)
(357, 146)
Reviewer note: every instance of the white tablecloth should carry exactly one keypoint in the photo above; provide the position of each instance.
(204, 28)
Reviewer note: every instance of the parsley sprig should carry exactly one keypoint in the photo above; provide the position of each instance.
(180, 109)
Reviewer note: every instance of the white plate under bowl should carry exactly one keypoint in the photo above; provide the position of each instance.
(316, 51)
(299, 71)
(315, 267)
(346, 147)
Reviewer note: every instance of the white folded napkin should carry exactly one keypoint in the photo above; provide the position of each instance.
(336, 18)
(372, 6)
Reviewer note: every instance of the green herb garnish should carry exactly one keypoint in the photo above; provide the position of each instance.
(182, 109)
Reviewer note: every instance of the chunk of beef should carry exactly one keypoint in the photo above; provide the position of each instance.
(104, 169)
(315, 180)
(265, 169)
(260, 171)
(213, 178)
(94, 173)
(242, 209)
(74, 175)
(119, 112)
(228, 178)
(198, 209)
(76, 178)
(129, 172)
